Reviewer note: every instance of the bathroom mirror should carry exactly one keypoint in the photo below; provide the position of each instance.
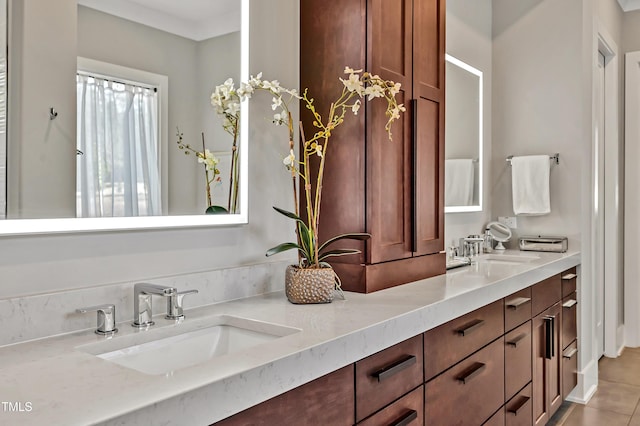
(192, 45)
(463, 137)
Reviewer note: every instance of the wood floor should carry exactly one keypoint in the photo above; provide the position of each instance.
(616, 403)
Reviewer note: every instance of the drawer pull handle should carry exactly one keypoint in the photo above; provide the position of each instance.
(469, 328)
(472, 372)
(514, 410)
(570, 303)
(517, 340)
(516, 303)
(571, 353)
(550, 323)
(394, 368)
(569, 277)
(406, 419)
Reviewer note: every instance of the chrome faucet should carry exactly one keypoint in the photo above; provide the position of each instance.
(175, 310)
(142, 296)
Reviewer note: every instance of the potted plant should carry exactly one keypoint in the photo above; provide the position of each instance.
(312, 280)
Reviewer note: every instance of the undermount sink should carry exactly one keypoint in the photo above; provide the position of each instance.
(508, 259)
(164, 350)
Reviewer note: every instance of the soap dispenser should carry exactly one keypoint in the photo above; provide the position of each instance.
(487, 246)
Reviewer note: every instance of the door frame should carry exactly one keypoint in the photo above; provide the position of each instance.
(612, 251)
(632, 201)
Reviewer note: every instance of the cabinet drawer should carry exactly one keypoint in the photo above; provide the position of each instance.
(407, 411)
(470, 392)
(517, 359)
(497, 419)
(545, 293)
(569, 319)
(517, 308)
(569, 280)
(569, 369)
(383, 377)
(451, 342)
(519, 409)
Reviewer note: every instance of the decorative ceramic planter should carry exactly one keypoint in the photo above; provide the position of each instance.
(304, 286)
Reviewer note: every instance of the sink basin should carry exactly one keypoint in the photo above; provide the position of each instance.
(164, 350)
(507, 259)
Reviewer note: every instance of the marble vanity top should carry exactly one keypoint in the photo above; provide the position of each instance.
(56, 383)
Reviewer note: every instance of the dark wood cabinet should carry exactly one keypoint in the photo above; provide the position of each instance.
(387, 375)
(393, 190)
(547, 364)
(472, 370)
(328, 400)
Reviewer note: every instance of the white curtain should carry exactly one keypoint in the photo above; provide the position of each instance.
(118, 170)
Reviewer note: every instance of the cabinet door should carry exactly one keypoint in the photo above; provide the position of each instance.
(389, 175)
(428, 125)
(547, 358)
(328, 400)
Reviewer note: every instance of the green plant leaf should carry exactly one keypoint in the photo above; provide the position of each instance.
(216, 210)
(282, 247)
(288, 214)
(337, 252)
(362, 236)
(306, 239)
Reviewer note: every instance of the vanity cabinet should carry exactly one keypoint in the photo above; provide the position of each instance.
(505, 364)
(328, 400)
(393, 190)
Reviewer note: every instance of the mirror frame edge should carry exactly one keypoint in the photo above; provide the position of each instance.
(477, 207)
(16, 227)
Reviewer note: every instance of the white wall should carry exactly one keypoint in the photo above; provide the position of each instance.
(469, 39)
(37, 264)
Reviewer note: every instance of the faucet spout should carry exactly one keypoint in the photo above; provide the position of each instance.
(142, 298)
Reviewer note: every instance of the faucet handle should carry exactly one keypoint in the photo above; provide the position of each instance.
(106, 319)
(174, 304)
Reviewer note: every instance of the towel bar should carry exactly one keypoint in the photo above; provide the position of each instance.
(555, 158)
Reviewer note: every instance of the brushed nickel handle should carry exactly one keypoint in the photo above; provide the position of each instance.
(570, 303)
(517, 340)
(516, 303)
(514, 410)
(394, 368)
(569, 277)
(470, 327)
(571, 353)
(472, 372)
(406, 419)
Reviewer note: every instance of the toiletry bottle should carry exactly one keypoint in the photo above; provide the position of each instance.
(487, 246)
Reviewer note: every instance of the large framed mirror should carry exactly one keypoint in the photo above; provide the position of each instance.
(463, 137)
(100, 94)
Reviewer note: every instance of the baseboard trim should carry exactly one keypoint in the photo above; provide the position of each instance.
(587, 384)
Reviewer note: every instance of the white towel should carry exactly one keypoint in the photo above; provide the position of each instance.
(458, 182)
(530, 178)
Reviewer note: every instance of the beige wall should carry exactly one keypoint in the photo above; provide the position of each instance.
(37, 264)
(537, 95)
(42, 167)
(631, 31)
(469, 39)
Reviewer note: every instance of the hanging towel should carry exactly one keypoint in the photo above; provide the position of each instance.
(530, 178)
(458, 182)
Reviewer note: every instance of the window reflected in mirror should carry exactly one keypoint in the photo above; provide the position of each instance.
(114, 153)
(463, 137)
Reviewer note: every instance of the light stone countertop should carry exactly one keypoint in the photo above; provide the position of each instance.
(67, 386)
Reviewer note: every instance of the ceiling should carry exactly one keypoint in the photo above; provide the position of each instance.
(194, 19)
(629, 5)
